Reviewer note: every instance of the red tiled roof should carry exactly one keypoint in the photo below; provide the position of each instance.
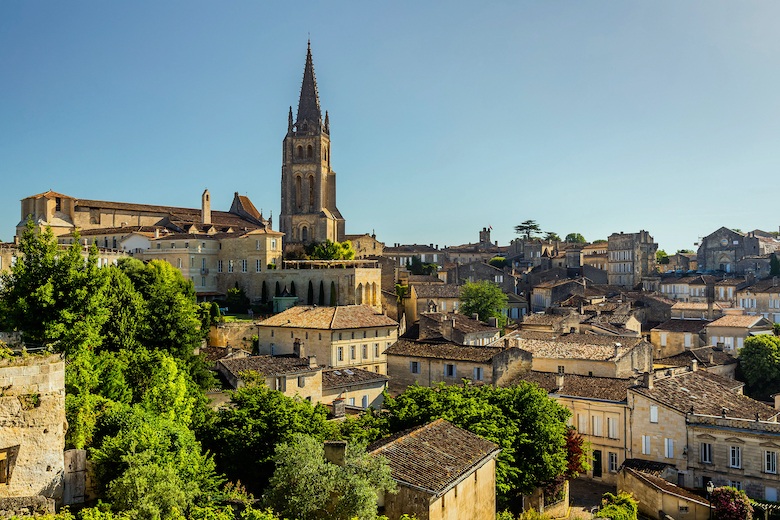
(329, 318)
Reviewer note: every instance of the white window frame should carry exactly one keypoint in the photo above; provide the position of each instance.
(596, 425)
(612, 458)
(612, 427)
(770, 462)
(735, 456)
(653, 413)
(669, 448)
(478, 374)
(645, 445)
(582, 423)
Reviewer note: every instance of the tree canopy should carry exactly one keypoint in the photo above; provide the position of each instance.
(485, 299)
(759, 361)
(308, 487)
(552, 236)
(661, 257)
(528, 425)
(329, 250)
(528, 229)
(575, 238)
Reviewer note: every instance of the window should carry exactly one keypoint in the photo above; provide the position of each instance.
(669, 448)
(653, 414)
(178, 263)
(705, 450)
(612, 427)
(376, 349)
(352, 352)
(301, 381)
(736, 484)
(477, 373)
(280, 383)
(341, 354)
(663, 339)
(770, 462)
(449, 370)
(414, 367)
(5, 465)
(582, 423)
(645, 445)
(273, 244)
(243, 266)
(770, 494)
(560, 369)
(230, 266)
(613, 461)
(258, 265)
(352, 401)
(257, 245)
(735, 457)
(365, 401)
(219, 266)
(596, 422)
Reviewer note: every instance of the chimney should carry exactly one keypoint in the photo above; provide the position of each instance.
(339, 408)
(694, 365)
(298, 349)
(313, 362)
(647, 380)
(336, 452)
(777, 400)
(156, 232)
(617, 349)
(506, 342)
(712, 358)
(205, 201)
(559, 381)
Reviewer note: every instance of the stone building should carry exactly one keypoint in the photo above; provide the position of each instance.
(674, 336)
(309, 213)
(293, 376)
(340, 337)
(427, 363)
(731, 331)
(443, 473)
(32, 428)
(631, 256)
(460, 329)
(724, 248)
(365, 245)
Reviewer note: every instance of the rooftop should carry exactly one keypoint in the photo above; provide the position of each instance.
(453, 351)
(268, 365)
(343, 377)
(706, 393)
(692, 326)
(572, 346)
(435, 456)
(607, 388)
(329, 318)
(740, 320)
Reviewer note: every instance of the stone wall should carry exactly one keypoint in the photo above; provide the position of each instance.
(32, 425)
(25, 506)
(236, 335)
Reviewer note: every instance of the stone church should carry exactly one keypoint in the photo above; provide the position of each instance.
(309, 213)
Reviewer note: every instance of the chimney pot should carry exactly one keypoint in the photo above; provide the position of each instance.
(313, 362)
(647, 380)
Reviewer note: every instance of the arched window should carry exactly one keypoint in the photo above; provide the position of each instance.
(300, 151)
(298, 201)
(304, 233)
(309, 151)
(311, 190)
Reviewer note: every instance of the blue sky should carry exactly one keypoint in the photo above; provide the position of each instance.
(446, 117)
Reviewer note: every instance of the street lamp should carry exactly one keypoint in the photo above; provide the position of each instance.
(710, 489)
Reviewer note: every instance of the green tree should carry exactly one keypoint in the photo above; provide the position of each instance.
(528, 425)
(333, 251)
(552, 236)
(321, 296)
(774, 265)
(575, 238)
(759, 361)
(127, 309)
(484, 299)
(54, 296)
(661, 257)
(528, 228)
(243, 436)
(600, 241)
(622, 506)
(237, 300)
(308, 487)
(498, 262)
(334, 295)
(173, 322)
(310, 294)
(730, 503)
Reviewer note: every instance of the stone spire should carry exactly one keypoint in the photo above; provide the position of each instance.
(290, 122)
(309, 104)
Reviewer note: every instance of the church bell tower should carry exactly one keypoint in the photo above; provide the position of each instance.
(309, 213)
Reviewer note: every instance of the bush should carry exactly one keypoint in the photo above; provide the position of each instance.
(620, 507)
(729, 503)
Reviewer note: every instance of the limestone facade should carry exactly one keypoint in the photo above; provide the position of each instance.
(631, 256)
(32, 426)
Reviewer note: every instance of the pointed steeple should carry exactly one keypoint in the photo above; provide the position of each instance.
(290, 122)
(309, 103)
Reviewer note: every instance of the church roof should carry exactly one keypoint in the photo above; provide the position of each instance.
(309, 102)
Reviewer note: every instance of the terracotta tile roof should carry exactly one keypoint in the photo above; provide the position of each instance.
(344, 377)
(437, 291)
(697, 306)
(126, 230)
(268, 365)
(607, 388)
(49, 195)
(702, 355)
(731, 282)
(435, 456)
(649, 467)
(612, 319)
(542, 319)
(453, 351)
(739, 321)
(708, 394)
(692, 326)
(601, 307)
(329, 318)
(667, 486)
(764, 286)
(463, 323)
(424, 278)
(573, 346)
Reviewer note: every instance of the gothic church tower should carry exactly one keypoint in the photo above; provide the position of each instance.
(309, 212)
